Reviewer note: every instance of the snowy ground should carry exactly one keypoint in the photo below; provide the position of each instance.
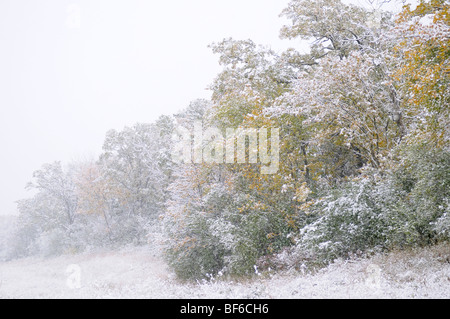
(142, 274)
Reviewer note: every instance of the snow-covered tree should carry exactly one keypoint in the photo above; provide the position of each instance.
(47, 221)
(133, 160)
(349, 102)
(136, 170)
(53, 181)
(422, 70)
(334, 27)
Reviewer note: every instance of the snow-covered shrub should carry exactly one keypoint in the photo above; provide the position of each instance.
(404, 208)
(231, 243)
(211, 228)
(442, 225)
(258, 234)
(350, 221)
(198, 256)
(424, 177)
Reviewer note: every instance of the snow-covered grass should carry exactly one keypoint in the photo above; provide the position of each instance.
(141, 273)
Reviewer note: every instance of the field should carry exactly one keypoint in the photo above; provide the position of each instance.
(141, 273)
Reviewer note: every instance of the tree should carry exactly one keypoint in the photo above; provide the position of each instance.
(58, 185)
(346, 101)
(96, 197)
(253, 76)
(135, 161)
(333, 27)
(48, 221)
(136, 168)
(423, 52)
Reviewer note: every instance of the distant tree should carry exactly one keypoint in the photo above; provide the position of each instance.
(135, 170)
(47, 221)
(56, 184)
(136, 161)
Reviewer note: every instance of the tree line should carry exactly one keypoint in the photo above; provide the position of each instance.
(363, 120)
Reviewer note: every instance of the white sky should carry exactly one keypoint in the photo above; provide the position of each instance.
(68, 78)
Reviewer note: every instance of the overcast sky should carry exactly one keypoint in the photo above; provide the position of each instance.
(72, 70)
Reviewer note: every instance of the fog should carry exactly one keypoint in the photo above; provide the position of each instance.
(72, 70)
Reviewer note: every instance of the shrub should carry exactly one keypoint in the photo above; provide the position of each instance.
(223, 239)
(349, 221)
(407, 207)
(424, 177)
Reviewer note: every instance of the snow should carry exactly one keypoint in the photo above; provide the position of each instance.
(141, 273)
(427, 20)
